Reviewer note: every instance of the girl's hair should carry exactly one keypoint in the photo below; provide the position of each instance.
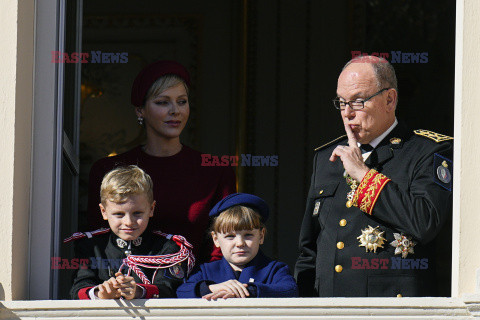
(163, 83)
(122, 182)
(237, 218)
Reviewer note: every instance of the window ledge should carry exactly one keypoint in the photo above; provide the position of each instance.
(261, 308)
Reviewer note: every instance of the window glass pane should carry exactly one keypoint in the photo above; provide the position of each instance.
(68, 225)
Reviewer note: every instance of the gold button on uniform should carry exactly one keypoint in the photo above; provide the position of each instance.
(399, 295)
(340, 245)
(320, 192)
(343, 223)
(338, 268)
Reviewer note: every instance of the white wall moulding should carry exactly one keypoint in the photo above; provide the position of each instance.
(472, 301)
(301, 308)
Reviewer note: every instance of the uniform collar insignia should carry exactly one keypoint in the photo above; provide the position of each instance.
(395, 140)
(137, 241)
(122, 243)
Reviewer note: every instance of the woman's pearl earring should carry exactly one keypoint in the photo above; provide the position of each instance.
(140, 121)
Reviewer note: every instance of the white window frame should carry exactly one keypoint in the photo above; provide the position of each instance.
(50, 145)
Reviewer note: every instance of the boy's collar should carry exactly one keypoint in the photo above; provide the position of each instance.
(118, 242)
(123, 243)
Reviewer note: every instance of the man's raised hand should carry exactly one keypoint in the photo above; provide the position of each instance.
(351, 156)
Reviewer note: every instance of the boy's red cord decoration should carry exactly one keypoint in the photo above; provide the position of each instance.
(161, 262)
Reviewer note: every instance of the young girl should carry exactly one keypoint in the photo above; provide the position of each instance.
(244, 271)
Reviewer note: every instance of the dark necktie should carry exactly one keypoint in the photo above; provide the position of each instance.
(366, 148)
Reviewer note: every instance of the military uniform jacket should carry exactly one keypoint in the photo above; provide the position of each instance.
(270, 278)
(414, 203)
(105, 256)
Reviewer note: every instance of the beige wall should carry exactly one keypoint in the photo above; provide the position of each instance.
(466, 252)
(16, 94)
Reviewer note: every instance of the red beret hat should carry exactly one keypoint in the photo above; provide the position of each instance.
(151, 73)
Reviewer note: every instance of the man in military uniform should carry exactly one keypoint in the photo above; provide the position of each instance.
(378, 196)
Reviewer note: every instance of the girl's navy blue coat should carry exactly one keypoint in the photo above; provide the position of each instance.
(265, 278)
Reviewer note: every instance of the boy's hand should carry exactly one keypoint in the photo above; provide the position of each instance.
(109, 289)
(238, 289)
(127, 286)
(218, 295)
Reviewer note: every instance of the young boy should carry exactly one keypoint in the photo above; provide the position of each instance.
(239, 230)
(122, 259)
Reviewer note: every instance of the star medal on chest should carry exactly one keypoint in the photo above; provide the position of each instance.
(403, 244)
(371, 239)
(353, 187)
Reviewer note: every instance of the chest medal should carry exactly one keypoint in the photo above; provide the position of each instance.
(403, 244)
(371, 239)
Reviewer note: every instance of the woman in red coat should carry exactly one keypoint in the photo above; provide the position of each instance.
(185, 190)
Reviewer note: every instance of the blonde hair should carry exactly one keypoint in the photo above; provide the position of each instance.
(163, 83)
(122, 182)
(237, 218)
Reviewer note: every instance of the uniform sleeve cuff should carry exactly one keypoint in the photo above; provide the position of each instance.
(84, 293)
(202, 288)
(91, 294)
(369, 190)
(252, 290)
(150, 291)
(144, 292)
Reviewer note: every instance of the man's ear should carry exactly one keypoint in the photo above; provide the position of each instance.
(215, 239)
(104, 213)
(392, 96)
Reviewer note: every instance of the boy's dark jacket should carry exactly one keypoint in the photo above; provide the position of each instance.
(105, 257)
(269, 278)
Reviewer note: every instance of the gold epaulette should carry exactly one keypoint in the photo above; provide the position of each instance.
(330, 143)
(437, 137)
